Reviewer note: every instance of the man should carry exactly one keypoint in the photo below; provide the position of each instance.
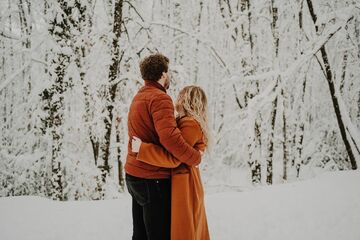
(151, 118)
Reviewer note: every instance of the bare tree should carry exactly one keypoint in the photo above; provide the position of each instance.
(53, 96)
(274, 30)
(111, 90)
(328, 72)
(62, 29)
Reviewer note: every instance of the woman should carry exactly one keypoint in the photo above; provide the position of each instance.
(188, 217)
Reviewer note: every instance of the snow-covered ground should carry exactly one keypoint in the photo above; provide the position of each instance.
(327, 207)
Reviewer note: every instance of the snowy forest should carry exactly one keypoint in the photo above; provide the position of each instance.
(282, 79)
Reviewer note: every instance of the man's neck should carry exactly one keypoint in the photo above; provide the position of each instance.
(162, 82)
(155, 84)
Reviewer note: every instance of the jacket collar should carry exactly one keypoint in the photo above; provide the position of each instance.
(155, 84)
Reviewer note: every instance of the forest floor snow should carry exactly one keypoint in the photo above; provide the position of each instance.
(326, 207)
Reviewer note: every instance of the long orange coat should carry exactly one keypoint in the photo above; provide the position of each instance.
(188, 217)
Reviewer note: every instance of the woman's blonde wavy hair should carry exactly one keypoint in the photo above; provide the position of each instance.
(192, 102)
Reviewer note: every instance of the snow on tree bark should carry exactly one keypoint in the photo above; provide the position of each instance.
(111, 90)
(329, 77)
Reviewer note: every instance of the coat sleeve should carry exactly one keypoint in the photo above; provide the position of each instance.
(162, 111)
(158, 156)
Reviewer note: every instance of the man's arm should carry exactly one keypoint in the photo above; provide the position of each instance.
(162, 111)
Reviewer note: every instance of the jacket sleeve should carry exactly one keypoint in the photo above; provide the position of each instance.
(162, 111)
(158, 156)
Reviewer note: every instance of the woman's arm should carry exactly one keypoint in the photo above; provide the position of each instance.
(158, 156)
(170, 137)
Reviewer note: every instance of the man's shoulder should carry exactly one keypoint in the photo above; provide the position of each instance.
(152, 99)
(151, 94)
(146, 97)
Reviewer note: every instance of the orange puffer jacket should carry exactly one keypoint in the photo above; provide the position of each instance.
(151, 118)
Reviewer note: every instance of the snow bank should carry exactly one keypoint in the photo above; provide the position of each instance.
(327, 207)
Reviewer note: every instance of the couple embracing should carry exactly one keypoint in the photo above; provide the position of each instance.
(164, 152)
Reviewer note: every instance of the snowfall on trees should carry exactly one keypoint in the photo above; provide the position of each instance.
(282, 79)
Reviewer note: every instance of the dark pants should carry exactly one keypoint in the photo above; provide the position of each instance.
(151, 207)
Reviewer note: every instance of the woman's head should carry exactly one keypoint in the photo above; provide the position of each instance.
(192, 102)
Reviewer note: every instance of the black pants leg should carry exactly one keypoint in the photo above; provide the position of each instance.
(139, 231)
(151, 207)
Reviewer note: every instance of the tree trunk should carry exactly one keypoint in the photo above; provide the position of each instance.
(334, 99)
(343, 74)
(53, 96)
(82, 49)
(113, 74)
(120, 164)
(358, 103)
(269, 160)
(3, 93)
(357, 36)
(178, 21)
(26, 29)
(285, 140)
(197, 62)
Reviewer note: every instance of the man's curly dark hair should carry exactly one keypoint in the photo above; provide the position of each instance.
(153, 66)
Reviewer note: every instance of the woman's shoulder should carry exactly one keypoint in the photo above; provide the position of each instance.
(187, 121)
(190, 129)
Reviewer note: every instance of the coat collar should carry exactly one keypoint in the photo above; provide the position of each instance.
(155, 84)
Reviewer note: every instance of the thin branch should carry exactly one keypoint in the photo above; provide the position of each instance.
(10, 35)
(216, 55)
(136, 11)
(321, 65)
